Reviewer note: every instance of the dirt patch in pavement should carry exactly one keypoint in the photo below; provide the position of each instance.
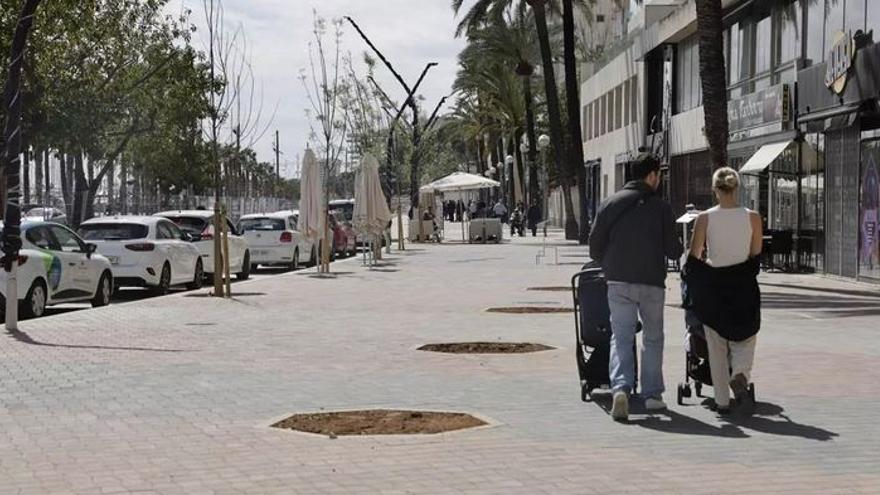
(528, 310)
(379, 422)
(486, 347)
(550, 289)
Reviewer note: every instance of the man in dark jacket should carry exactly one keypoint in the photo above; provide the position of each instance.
(534, 217)
(632, 236)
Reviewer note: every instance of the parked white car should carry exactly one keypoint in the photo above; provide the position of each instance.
(199, 225)
(274, 239)
(149, 252)
(55, 266)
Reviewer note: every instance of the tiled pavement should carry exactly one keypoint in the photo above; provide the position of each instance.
(174, 395)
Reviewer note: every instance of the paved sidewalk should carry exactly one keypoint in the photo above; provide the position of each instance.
(175, 395)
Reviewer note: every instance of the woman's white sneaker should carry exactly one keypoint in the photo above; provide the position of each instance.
(654, 404)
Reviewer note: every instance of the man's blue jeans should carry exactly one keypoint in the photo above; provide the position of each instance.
(628, 304)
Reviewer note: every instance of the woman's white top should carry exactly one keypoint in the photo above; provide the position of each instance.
(729, 236)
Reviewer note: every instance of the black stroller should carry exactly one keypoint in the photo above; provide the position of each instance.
(696, 356)
(592, 323)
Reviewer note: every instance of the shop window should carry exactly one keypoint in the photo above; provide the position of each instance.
(812, 212)
(869, 209)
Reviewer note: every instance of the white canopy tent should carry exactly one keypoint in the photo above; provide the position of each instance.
(460, 182)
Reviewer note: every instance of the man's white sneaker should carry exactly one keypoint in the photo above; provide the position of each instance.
(654, 404)
(620, 406)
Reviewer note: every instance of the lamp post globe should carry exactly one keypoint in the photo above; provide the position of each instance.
(543, 141)
(509, 159)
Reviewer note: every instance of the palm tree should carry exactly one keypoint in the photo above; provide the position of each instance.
(484, 11)
(710, 30)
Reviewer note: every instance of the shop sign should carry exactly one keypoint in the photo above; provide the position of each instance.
(763, 107)
(840, 62)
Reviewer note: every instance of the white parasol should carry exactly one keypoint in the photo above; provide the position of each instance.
(371, 213)
(311, 212)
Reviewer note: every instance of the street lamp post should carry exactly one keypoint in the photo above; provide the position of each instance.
(543, 144)
(511, 180)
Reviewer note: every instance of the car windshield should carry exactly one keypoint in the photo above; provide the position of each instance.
(262, 224)
(113, 231)
(192, 225)
(344, 210)
(41, 212)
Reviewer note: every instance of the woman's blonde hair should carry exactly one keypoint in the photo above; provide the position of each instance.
(725, 179)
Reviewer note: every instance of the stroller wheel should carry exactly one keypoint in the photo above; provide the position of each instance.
(698, 387)
(585, 392)
(683, 391)
(752, 391)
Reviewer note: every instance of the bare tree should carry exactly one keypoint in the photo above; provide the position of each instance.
(328, 116)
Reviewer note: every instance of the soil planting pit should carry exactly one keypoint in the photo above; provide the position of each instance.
(379, 422)
(528, 310)
(550, 289)
(486, 348)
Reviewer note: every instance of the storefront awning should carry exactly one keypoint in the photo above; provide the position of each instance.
(763, 157)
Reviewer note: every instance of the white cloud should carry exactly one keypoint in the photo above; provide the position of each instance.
(409, 32)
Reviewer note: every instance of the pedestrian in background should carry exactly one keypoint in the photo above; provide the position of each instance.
(534, 217)
(632, 237)
(724, 289)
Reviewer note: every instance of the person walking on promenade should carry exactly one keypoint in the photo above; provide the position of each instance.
(500, 211)
(534, 217)
(724, 289)
(632, 237)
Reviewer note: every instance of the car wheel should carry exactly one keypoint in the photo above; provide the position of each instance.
(104, 291)
(245, 272)
(198, 277)
(34, 304)
(294, 265)
(164, 281)
(313, 259)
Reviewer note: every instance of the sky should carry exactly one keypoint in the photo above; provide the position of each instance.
(410, 33)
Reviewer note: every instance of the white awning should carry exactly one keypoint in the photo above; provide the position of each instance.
(764, 157)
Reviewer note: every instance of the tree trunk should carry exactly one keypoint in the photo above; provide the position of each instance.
(415, 173)
(26, 175)
(710, 29)
(533, 142)
(65, 184)
(110, 187)
(38, 177)
(572, 93)
(80, 191)
(518, 163)
(557, 137)
(123, 187)
(47, 176)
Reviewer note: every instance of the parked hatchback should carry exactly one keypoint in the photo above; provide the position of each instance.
(274, 239)
(147, 252)
(199, 224)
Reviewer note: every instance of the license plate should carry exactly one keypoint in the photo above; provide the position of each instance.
(260, 252)
(114, 260)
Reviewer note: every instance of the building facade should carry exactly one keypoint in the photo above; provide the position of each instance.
(803, 85)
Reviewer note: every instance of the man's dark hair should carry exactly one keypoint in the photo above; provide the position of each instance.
(644, 165)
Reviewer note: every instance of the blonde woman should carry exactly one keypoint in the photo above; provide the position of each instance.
(724, 289)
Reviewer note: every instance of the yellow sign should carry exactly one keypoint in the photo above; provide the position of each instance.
(840, 61)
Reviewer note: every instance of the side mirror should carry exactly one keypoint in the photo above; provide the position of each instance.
(91, 249)
(190, 237)
(186, 237)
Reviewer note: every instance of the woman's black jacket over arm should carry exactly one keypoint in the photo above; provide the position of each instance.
(726, 299)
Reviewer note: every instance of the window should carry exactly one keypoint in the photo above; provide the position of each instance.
(787, 34)
(854, 15)
(583, 123)
(634, 99)
(734, 45)
(163, 232)
(113, 231)
(814, 11)
(67, 240)
(763, 45)
(833, 22)
(872, 15)
(626, 107)
(292, 221)
(40, 237)
(261, 224)
(589, 114)
(687, 76)
(597, 110)
(602, 119)
(610, 114)
(618, 107)
(230, 228)
(600, 18)
(176, 233)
